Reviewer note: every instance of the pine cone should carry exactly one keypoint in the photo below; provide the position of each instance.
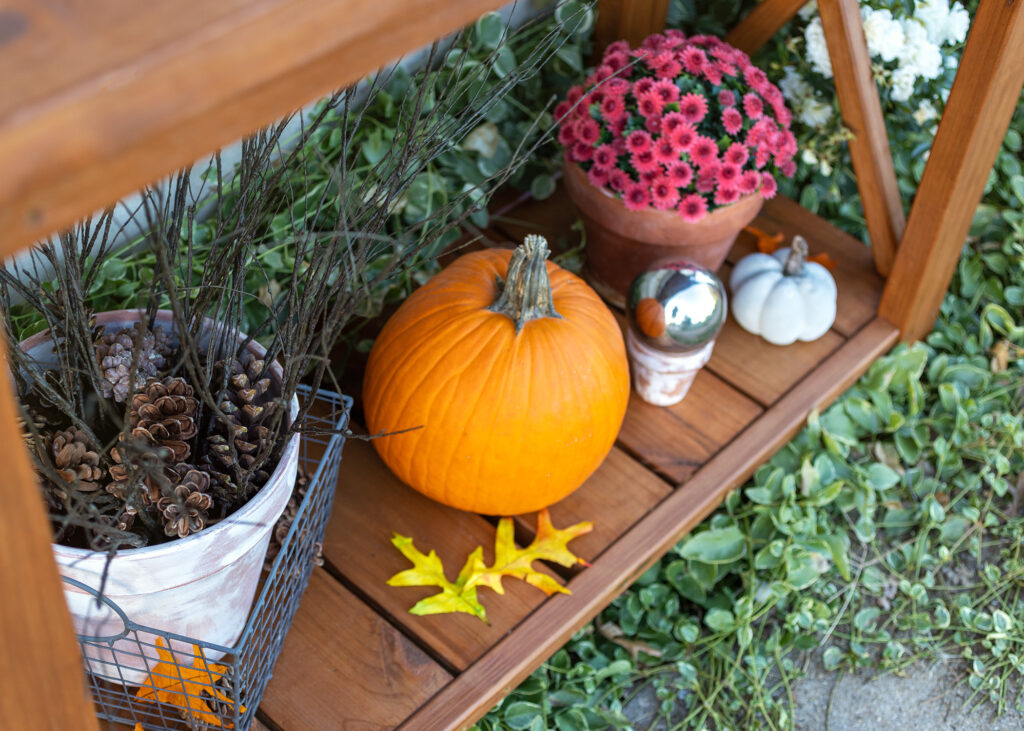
(188, 510)
(284, 523)
(164, 413)
(248, 403)
(115, 352)
(76, 459)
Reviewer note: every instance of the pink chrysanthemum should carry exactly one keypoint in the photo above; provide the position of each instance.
(665, 151)
(725, 68)
(613, 108)
(647, 177)
(737, 154)
(638, 141)
(656, 59)
(619, 145)
(644, 160)
(788, 168)
(636, 196)
(605, 157)
(755, 76)
(725, 196)
(616, 60)
(581, 152)
(642, 87)
(618, 180)
(671, 122)
(732, 120)
(705, 183)
(680, 174)
(653, 124)
(666, 90)
(616, 87)
(768, 186)
(762, 157)
(703, 151)
(693, 208)
(574, 95)
(567, 135)
(694, 60)
(728, 176)
(712, 74)
(753, 107)
(674, 37)
(588, 131)
(693, 107)
(684, 136)
(598, 177)
(663, 194)
(617, 47)
(750, 181)
(669, 71)
(726, 98)
(649, 105)
(562, 109)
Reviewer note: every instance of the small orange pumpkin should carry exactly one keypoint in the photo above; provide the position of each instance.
(516, 374)
(650, 316)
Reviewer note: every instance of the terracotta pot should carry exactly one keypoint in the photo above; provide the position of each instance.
(201, 586)
(622, 243)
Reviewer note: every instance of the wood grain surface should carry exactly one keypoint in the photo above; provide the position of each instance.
(42, 685)
(100, 97)
(371, 505)
(984, 95)
(762, 22)
(342, 666)
(630, 20)
(472, 693)
(862, 114)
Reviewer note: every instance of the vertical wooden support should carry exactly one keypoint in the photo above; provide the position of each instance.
(980, 106)
(42, 685)
(631, 20)
(761, 23)
(862, 114)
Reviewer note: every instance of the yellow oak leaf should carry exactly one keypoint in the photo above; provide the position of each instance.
(549, 544)
(183, 688)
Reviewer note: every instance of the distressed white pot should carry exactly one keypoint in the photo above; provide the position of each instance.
(662, 378)
(201, 586)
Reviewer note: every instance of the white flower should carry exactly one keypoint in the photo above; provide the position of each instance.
(884, 35)
(814, 113)
(919, 56)
(924, 112)
(793, 86)
(809, 10)
(825, 168)
(809, 157)
(957, 24)
(942, 22)
(903, 83)
(817, 50)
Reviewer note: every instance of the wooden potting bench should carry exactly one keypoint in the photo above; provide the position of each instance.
(98, 98)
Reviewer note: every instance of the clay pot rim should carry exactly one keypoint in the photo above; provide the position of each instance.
(611, 212)
(244, 513)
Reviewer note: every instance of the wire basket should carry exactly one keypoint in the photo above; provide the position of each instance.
(212, 686)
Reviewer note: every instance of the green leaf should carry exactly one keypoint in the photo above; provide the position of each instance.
(717, 546)
(881, 477)
(720, 620)
(864, 620)
(831, 658)
(542, 186)
(520, 715)
(489, 29)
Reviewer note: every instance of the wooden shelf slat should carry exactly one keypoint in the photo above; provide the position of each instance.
(371, 505)
(473, 692)
(100, 97)
(342, 666)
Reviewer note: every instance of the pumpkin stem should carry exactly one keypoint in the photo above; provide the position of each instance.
(526, 292)
(797, 256)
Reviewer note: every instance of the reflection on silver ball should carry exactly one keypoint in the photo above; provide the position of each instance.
(676, 305)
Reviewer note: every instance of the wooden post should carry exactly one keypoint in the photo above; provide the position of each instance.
(42, 683)
(631, 20)
(862, 114)
(980, 106)
(761, 23)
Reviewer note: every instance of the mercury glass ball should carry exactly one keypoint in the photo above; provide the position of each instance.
(676, 306)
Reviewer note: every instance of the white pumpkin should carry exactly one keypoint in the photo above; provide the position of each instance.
(783, 297)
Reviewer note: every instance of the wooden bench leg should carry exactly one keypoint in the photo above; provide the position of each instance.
(42, 683)
(980, 106)
(862, 114)
(631, 20)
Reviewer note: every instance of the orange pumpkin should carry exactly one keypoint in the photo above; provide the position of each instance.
(515, 373)
(650, 316)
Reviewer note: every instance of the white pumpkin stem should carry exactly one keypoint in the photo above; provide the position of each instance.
(798, 251)
(526, 292)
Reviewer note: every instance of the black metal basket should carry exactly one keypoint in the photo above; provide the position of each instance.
(209, 693)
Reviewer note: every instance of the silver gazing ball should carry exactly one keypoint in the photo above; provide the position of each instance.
(676, 306)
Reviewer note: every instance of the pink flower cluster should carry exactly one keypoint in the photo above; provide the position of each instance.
(679, 123)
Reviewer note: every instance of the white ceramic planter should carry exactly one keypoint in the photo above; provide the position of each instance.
(662, 378)
(201, 586)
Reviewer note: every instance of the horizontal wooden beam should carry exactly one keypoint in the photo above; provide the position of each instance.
(762, 23)
(101, 97)
(980, 105)
(862, 115)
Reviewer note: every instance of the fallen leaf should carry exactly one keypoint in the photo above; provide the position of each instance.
(549, 544)
(183, 687)
(824, 259)
(766, 242)
(612, 631)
